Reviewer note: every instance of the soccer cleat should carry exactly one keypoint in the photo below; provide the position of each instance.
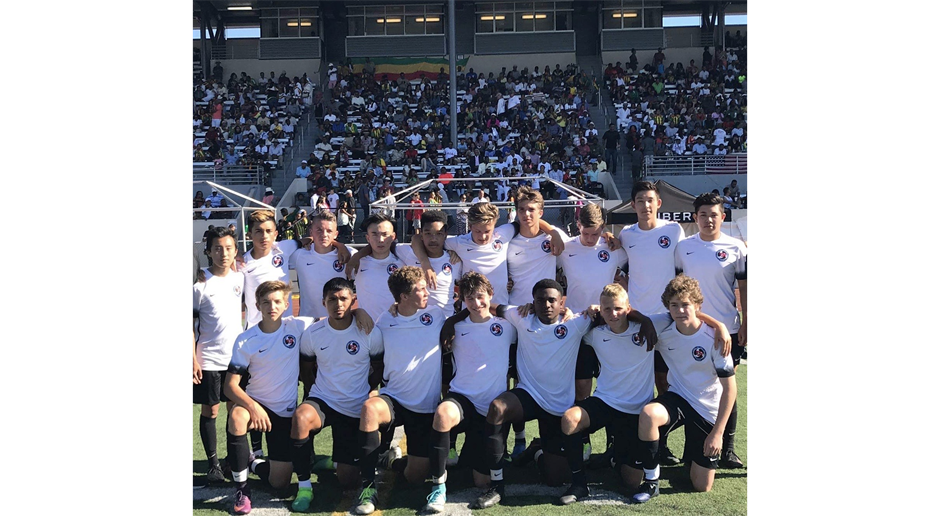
(574, 494)
(227, 470)
(452, 457)
(242, 502)
(490, 497)
(302, 500)
(386, 459)
(256, 455)
(667, 458)
(215, 475)
(517, 449)
(436, 499)
(367, 499)
(586, 453)
(324, 464)
(648, 489)
(603, 460)
(730, 460)
(528, 455)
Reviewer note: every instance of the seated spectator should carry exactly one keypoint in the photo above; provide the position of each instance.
(199, 199)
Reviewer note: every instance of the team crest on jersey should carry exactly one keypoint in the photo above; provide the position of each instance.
(338, 267)
(277, 260)
(391, 268)
(426, 319)
(497, 245)
(561, 331)
(636, 339)
(447, 269)
(722, 255)
(237, 289)
(289, 341)
(352, 347)
(698, 353)
(546, 246)
(603, 255)
(496, 329)
(664, 242)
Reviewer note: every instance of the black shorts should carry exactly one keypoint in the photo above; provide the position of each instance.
(211, 391)
(278, 439)
(736, 351)
(447, 369)
(471, 424)
(549, 425)
(622, 426)
(513, 348)
(587, 366)
(697, 428)
(345, 431)
(659, 365)
(417, 426)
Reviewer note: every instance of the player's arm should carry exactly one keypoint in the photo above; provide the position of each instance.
(722, 337)
(197, 369)
(343, 254)
(308, 372)
(647, 329)
(422, 255)
(558, 239)
(729, 392)
(363, 320)
(353, 264)
(259, 419)
(447, 330)
(613, 243)
(377, 363)
(742, 331)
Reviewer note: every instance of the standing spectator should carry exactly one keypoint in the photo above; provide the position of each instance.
(346, 215)
(461, 216)
(217, 109)
(658, 61)
(217, 71)
(733, 190)
(611, 147)
(333, 200)
(706, 58)
(637, 163)
(634, 63)
(413, 216)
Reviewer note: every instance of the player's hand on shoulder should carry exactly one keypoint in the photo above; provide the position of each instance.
(613, 243)
(200, 275)
(567, 315)
(393, 309)
(723, 340)
(524, 310)
(431, 277)
(648, 333)
(343, 254)
(363, 321)
(454, 257)
(592, 311)
(557, 242)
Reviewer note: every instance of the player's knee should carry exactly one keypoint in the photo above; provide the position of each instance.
(305, 420)
(496, 411)
(210, 410)
(445, 417)
(238, 421)
(570, 420)
(702, 486)
(652, 415)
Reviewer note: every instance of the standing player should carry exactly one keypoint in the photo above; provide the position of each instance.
(412, 380)
(530, 256)
(316, 266)
(376, 269)
(481, 356)
(651, 264)
(269, 352)
(217, 310)
(339, 354)
(717, 260)
(701, 392)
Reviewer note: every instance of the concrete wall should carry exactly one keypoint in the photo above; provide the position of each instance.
(677, 51)
(254, 67)
(696, 185)
(495, 63)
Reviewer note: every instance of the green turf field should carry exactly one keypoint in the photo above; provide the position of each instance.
(524, 493)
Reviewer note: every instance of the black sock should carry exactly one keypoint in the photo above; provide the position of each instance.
(440, 445)
(255, 440)
(728, 437)
(369, 443)
(238, 454)
(663, 445)
(263, 470)
(518, 426)
(207, 433)
(493, 444)
(387, 437)
(649, 454)
(301, 450)
(453, 439)
(575, 458)
(585, 438)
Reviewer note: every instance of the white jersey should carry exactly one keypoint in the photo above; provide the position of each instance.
(217, 303)
(447, 274)
(273, 361)
(530, 260)
(481, 360)
(313, 271)
(695, 367)
(413, 358)
(343, 358)
(651, 263)
(716, 265)
(372, 284)
(273, 267)
(546, 358)
(489, 260)
(626, 374)
(588, 270)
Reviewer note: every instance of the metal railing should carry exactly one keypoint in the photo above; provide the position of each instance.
(695, 165)
(229, 174)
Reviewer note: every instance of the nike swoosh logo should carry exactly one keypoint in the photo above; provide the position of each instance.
(520, 252)
(211, 295)
(392, 325)
(363, 270)
(606, 340)
(631, 247)
(689, 253)
(530, 331)
(671, 349)
(469, 249)
(571, 255)
(321, 349)
(309, 264)
(464, 334)
(262, 350)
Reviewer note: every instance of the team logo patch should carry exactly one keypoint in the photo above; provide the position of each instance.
(447, 269)
(426, 319)
(561, 331)
(698, 353)
(636, 339)
(237, 289)
(338, 267)
(496, 329)
(664, 242)
(722, 255)
(289, 341)
(497, 245)
(391, 268)
(546, 246)
(352, 347)
(277, 260)
(603, 255)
